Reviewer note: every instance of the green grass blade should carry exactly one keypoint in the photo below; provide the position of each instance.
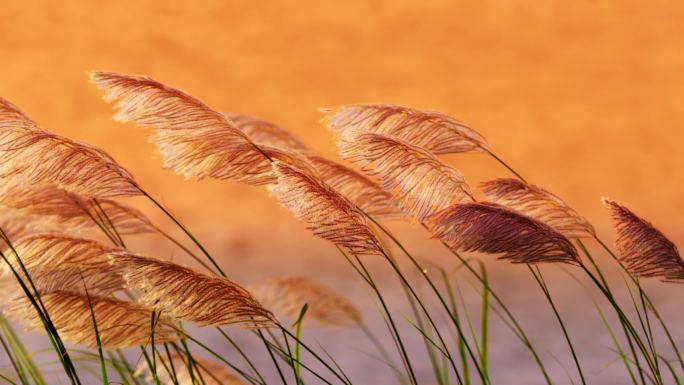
(103, 366)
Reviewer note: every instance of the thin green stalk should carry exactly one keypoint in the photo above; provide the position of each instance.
(427, 338)
(484, 339)
(243, 355)
(17, 368)
(22, 354)
(465, 368)
(298, 347)
(542, 284)
(103, 366)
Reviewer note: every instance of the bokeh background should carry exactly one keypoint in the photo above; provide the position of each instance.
(583, 97)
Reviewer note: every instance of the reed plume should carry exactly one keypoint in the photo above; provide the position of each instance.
(58, 262)
(433, 131)
(264, 132)
(194, 140)
(286, 296)
(539, 204)
(491, 228)
(420, 183)
(188, 295)
(34, 156)
(121, 324)
(48, 207)
(643, 249)
(327, 214)
(211, 372)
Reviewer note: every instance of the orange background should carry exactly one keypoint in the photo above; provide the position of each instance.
(584, 98)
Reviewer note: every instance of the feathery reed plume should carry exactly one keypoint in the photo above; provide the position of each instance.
(194, 140)
(286, 296)
(121, 324)
(328, 214)
(47, 206)
(434, 131)
(264, 132)
(420, 183)
(189, 295)
(491, 228)
(539, 204)
(643, 249)
(212, 373)
(361, 190)
(36, 157)
(57, 262)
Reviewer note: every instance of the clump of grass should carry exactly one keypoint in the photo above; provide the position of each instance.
(108, 297)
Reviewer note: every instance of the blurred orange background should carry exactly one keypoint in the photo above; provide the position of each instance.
(584, 98)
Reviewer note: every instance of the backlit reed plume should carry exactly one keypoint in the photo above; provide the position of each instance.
(194, 140)
(327, 214)
(57, 262)
(188, 295)
(434, 131)
(286, 296)
(121, 324)
(211, 372)
(264, 132)
(540, 204)
(643, 249)
(48, 206)
(31, 155)
(491, 228)
(420, 183)
(362, 191)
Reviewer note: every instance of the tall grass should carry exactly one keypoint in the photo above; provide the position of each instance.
(128, 304)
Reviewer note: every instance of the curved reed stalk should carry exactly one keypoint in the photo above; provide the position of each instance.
(188, 295)
(643, 249)
(491, 228)
(120, 324)
(286, 296)
(328, 214)
(264, 132)
(58, 262)
(420, 183)
(434, 131)
(539, 204)
(72, 211)
(211, 372)
(31, 155)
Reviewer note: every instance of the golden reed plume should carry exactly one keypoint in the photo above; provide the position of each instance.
(286, 296)
(121, 324)
(211, 372)
(57, 262)
(328, 214)
(49, 207)
(433, 131)
(362, 191)
(188, 295)
(539, 204)
(643, 249)
(262, 131)
(418, 181)
(194, 140)
(34, 156)
(491, 228)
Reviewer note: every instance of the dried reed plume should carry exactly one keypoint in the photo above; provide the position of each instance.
(264, 132)
(539, 204)
(188, 295)
(434, 131)
(420, 183)
(286, 296)
(212, 373)
(49, 206)
(362, 191)
(328, 214)
(643, 249)
(121, 324)
(34, 156)
(491, 228)
(194, 140)
(57, 262)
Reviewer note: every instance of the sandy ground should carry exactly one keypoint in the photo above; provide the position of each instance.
(583, 98)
